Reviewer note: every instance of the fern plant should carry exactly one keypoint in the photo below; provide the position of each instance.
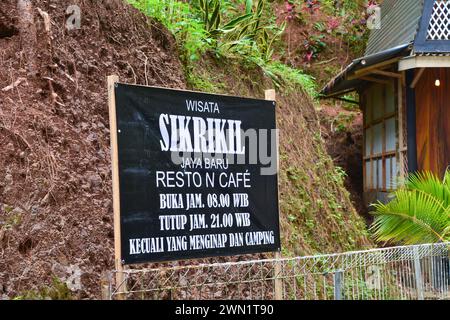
(419, 212)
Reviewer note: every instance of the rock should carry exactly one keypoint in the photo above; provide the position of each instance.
(45, 200)
(70, 275)
(107, 204)
(37, 227)
(92, 137)
(94, 180)
(9, 178)
(17, 211)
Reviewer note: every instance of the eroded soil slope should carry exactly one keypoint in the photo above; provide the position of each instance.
(55, 190)
(55, 181)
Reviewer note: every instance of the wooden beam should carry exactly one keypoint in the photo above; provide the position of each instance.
(347, 100)
(360, 73)
(384, 64)
(376, 80)
(417, 78)
(387, 73)
(271, 96)
(337, 94)
(375, 72)
(402, 139)
(120, 280)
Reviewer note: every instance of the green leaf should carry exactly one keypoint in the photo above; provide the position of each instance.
(257, 17)
(248, 6)
(265, 36)
(428, 183)
(243, 31)
(259, 8)
(202, 4)
(215, 18)
(235, 22)
(413, 217)
(206, 13)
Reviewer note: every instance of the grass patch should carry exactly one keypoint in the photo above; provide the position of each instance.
(57, 291)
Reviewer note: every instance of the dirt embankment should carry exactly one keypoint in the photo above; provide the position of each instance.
(343, 134)
(322, 43)
(55, 185)
(55, 194)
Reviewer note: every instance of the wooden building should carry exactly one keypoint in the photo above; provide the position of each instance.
(403, 83)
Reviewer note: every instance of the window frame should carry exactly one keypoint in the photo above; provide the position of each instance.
(384, 155)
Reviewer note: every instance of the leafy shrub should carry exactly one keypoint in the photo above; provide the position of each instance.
(203, 25)
(419, 212)
(179, 18)
(57, 291)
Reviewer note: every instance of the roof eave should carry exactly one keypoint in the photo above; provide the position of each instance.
(341, 83)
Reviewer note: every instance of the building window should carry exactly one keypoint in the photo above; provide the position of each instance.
(380, 138)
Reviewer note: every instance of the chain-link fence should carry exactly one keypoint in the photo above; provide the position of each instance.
(409, 272)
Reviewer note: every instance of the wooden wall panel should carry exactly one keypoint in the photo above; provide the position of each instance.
(433, 120)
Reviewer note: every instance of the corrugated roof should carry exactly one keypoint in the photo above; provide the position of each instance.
(404, 29)
(340, 83)
(399, 24)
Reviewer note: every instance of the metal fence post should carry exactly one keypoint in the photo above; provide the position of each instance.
(338, 278)
(418, 274)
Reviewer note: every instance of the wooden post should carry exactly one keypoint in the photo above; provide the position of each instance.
(271, 96)
(105, 282)
(120, 284)
(401, 130)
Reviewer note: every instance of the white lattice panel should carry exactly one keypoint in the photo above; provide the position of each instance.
(439, 27)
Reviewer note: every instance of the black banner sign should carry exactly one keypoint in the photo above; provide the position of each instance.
(189, 183)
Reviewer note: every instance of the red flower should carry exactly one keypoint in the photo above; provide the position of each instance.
(290, 10)
(333, 24)
(289, 7)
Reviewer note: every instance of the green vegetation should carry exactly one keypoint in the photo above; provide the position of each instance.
(329, 22)
(342, 121)
(317, 208)
(352, 26)
(419, 213)
(178, 17)
(282, 74)
(234, 47)
(10, 220)
(220, 28)
(57, 291)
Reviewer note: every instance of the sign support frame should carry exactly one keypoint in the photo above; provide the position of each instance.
(120, 267)
(118, 263)
(271, 96)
